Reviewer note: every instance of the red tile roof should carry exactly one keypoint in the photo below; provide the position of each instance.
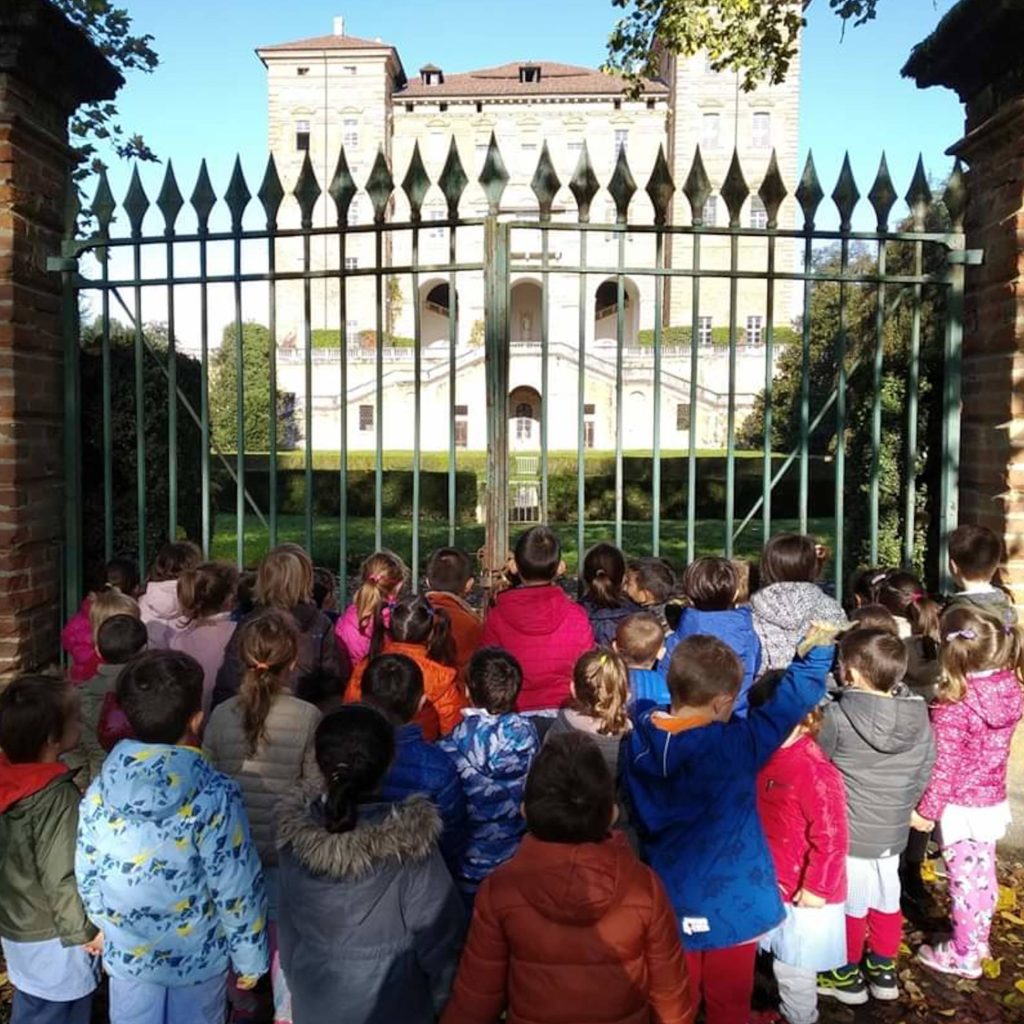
(331, 42)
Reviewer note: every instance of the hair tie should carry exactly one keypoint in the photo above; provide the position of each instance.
(374, 578)
(963, 634)
(917, 597)
(261, 666)
(1007, 629)
(602, 659)
(880, 578)
(338, 775)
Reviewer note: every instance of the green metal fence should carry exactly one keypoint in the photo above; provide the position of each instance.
(119, 267)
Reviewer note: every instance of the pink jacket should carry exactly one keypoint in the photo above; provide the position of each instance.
(354, 639)
(546, 633)
(972, 738)
(76, 639)
(205, 640)
(160, 612)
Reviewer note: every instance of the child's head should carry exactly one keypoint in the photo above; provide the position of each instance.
(864, 586)
(120, 638)
(320, 687)
(640, 640)
(393, 683)
(746, 579)
(903, 594)
(450, 570)
(974, 641)
(325, 589)
(975, 553)
(600, 686)
(872, 659)
(381, 580)
(710, 584)
(604, 572)
(538, 556)
(107, 603)
(649, 580)
(161, 695)
(494, 679)
(790, 558)
(763, 692)
(570, 793)
(354, 748)
(704, 674)
(38, 719)
(285, 578)
(206, 590)
(245, 593)
(173, 559)
(268, 647)
(414, 620)
(875, 616)
(123, 574)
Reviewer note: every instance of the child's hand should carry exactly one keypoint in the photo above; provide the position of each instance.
(247, 982)
(919, 824)
(95, 946)
(819, 634)
(807, 899)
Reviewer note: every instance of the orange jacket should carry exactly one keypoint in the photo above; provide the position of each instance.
(560, 928)
(467, 626)
(440, 684)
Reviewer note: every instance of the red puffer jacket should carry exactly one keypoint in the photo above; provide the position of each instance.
(546, 633)
(802, 804)
(562, 929)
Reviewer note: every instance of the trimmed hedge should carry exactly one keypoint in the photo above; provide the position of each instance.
(325, 338)
(679, 337)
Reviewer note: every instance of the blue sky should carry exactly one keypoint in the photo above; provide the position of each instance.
(208, 97)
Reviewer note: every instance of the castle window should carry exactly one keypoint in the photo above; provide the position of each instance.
(302, 136)
(621, 140)
(761, 129)
(758, 214)
(351, 262)
(529, 74)
(710, 213)
(350, 133)
(301, 71)
(711, 125)
(365, 418)
(430, 74)
(462, 426)
(755, 330)
(682, 416)
(705, 330)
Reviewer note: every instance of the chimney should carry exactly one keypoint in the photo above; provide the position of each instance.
(339, 26)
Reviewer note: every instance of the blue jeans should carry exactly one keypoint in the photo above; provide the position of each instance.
(140, 1002)
(28, 1009)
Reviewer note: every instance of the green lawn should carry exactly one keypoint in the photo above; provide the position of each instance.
(636, 538)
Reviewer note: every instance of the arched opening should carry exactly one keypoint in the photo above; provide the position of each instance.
(606, 307)
(524, 407)
(436, 311)
(525, 312)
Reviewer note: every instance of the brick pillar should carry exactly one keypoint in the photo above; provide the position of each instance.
(47, 68)
(976, 51)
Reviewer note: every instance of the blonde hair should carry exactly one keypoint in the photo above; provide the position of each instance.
(107, 603)
(601, 682)
(973, 641)
(285, 578)
(382, 577)
(206, 590)
(267, 647)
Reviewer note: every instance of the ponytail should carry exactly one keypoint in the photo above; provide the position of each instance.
(382, 576)
(975, 641)
(604, 571)
(206, 589)
(903, 594)
(416, 621)
(601, 683)
(267, 646)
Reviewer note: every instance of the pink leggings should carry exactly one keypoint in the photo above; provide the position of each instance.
(973, 891)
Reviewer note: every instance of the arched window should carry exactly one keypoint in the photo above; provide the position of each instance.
(524, 421)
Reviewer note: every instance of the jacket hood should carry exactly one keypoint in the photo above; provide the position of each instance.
(625, 607)
(787, 605)
(18, 781)
(536, 611)
(997, 698)
(384, 833)
(307, 616)
(152, 781)
(161, 599)
(576, 883)
(498, 746)
(891, 725)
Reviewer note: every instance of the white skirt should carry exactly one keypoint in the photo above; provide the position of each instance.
(872, 884)
(813, 938)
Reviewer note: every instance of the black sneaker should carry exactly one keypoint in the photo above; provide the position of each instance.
(881, 975)
(845, 984)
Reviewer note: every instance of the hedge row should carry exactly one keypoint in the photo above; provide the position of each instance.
(672, 337)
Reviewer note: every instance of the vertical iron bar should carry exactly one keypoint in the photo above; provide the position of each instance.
(378, 417)
(805, 384)
(581, 423)
(108, 417)
(417, 410)
(140, 402)
(204, 390)
(343, 412)
(913, 394)
(620, 331)
(545, 307)
(874, 486)
(307, 337)
(949, 506)
(272, 374)
(453, 338)
(769, 384)
(840, 491)
(172, 398)
(730, 416)
(240, 402)
(73, 587)
(691, 460)
(659, 261)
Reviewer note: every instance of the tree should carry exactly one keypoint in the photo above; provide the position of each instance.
(758, 40)
(256, 342)
(96, 124)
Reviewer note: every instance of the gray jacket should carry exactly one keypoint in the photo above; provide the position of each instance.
(371, 924)
(284, 760)
(89, 755)
(884, 748)
(782, 614)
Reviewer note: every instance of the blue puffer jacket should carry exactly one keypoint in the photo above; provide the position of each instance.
(647, 686)
(167, 868)
(692, 785)
(492, 754)
(734, 627)
(420, 767)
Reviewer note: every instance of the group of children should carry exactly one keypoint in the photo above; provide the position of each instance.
(296, 814)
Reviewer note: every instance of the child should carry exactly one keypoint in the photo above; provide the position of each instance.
(604, 600)
(322, 689)
(802, 806)
(789, 599)
(325, 592)
(691, 774)
(978, 709)
(77, 637)
(393, 683)
(573, 915)
(371, 924)
(710, 586)
(422, 633)
(874, 616)
(975, 555)
(492, 750)
(877, 734)
(360, 630)
(536, 623)
(165, 863)
(917, 619)
(120, 638)
(651, 584)
(158, 602)
(449, 580)
(640, 641)
(206, 596)
(107, 603)
(48, 943)
(864, 587)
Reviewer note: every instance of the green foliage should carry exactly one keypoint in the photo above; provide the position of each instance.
(258, 409)
(679, 337)
(759, 40)
(326, 338)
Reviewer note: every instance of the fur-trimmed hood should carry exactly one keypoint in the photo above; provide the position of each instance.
(384, 834)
